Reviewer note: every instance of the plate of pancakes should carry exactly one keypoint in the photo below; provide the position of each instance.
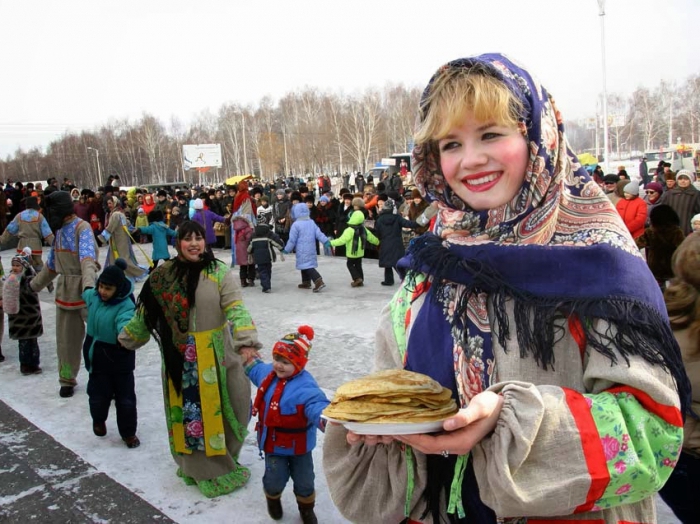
(391, 402)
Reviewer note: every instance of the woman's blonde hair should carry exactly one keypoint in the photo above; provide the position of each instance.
(456, 90)
(682, 296)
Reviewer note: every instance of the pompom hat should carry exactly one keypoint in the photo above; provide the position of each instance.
(295, 347)
(24, 259)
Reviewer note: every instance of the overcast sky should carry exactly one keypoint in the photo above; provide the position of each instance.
(75, 64)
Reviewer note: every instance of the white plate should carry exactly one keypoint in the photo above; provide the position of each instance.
(394, 428)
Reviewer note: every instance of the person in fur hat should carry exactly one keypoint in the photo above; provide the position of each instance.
(111, 366)
(683, 198)
(23, 311)
(73, 259)
(289, 404)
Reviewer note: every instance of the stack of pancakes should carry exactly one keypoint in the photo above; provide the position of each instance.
(392, 396)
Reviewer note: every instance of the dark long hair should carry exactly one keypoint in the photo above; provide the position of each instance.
(154, 314)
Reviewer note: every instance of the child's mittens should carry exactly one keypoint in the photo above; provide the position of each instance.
(10, 294)
(327, 243)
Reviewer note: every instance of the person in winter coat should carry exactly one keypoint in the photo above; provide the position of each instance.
(23, 312)
(682, 298)
(73, 259)
(281, 214)
(652, 194)
(32, 231)
(118, 239)
(111, 366)
(344, 210)
(206, 218)
(262, 248)
(264, 215)
(388, 228)
(303, 236)
(160, 234)
(355, 238)
(141, 222)
(82, 207)
(288, 404)
(148, 203)
(683, 198)
(633, 209)
(325, 216)
(660, 241)
(242, 235)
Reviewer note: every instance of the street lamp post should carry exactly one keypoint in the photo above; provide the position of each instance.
(606, 146)
(97, 157)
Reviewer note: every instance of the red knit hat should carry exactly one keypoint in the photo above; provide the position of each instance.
(295, 347)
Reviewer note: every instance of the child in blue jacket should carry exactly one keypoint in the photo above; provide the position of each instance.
(160, 233)
(111, 367)
(289, 405)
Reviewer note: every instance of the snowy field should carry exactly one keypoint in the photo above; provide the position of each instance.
(344, 319)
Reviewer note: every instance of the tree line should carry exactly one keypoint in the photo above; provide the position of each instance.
(311, 132)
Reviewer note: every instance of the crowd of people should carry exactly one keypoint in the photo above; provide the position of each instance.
(538, 294)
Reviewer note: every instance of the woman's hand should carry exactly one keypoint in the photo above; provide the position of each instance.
(370, 440)
(464, 430)
(248, 353)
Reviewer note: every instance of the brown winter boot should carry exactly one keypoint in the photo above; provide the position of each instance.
(318, 285)
(306, 284)
(306, 509)
(274, 506)
(244, 282)
(358, 282)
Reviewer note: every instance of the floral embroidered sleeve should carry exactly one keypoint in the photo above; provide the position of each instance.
(631, 442)
(134, 334)
(613, 443)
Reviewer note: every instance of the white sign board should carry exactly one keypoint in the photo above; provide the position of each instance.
(201, 155)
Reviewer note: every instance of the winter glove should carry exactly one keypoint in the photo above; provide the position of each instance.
(284, 252)
(327, 244)
(429, 213)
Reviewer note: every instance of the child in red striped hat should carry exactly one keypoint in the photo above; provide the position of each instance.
(289, 405)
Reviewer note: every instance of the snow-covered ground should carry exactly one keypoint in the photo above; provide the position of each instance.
(344, 319)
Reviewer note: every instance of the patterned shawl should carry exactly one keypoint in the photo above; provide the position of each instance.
(558, 249)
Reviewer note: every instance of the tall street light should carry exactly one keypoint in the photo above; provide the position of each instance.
(97, 157)
(245, 154)
(606, 147)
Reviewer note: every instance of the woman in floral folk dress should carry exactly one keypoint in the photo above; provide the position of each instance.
(193, 306)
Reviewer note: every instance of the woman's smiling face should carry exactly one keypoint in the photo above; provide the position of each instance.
(192, 247)
(483, 162)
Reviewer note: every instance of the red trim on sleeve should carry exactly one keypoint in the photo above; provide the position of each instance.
(577, 332)
(670, 414)
(70, 304)
(592, 449)
(566, 521)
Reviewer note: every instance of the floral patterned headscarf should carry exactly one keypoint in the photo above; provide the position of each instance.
(544, 249)
(558, 201)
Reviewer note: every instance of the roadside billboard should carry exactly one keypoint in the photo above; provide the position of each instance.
(201, 155)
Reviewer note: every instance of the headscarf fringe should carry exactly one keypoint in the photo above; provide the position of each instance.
(634, 329)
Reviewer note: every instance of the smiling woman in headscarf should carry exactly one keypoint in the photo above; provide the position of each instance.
(193, 307)
(530, 301)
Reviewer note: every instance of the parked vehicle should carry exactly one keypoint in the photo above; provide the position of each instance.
(679, 158)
